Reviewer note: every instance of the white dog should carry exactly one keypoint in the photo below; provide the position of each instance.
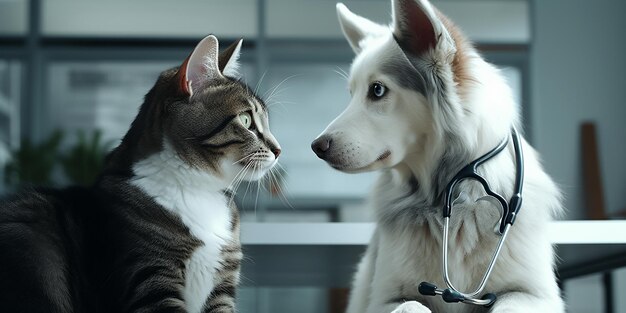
(424, 104)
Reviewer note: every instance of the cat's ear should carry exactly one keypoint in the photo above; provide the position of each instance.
(201, 66)
(229, 59)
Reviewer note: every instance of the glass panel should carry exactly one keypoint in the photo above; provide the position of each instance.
(513, 76)
(619, 277)
(149, 18)
(481, 21)
(584, 294)
(99, 95)
(308, 99)
(285, 299)
(96, 95)
(10, 92)
(13, 17)
(10, 81)
(303, 100)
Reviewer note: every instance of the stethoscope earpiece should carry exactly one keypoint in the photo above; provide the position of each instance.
(428, 289)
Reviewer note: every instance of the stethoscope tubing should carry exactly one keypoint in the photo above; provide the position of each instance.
(483, 282)
(510, 210)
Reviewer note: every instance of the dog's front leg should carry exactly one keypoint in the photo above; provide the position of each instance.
(411, 307)
(398, 307)
(518, 302)
(362, 285)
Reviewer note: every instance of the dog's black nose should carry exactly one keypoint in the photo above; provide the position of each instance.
(321, 146)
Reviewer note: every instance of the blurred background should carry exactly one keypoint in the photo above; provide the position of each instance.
(74, 72)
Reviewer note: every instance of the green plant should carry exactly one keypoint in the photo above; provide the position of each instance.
(32, 164)
(83, 162)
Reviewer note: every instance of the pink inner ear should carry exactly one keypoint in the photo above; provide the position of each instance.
(183, 84)
(419, 27)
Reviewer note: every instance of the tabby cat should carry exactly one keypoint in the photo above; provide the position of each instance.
(156, 232)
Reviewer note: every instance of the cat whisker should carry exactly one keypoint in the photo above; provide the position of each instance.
(273, 103)
(241, 180)
(258, 189)
(341, 73)
(344, 72)
(247, 90)
(278, 177)
(274, 94)
(253, 163)
(247, 168)
(233, 185)
(267, 181)
(233, 192)
(247, 156)
(258, 85)
(274, 184)
(237, 180)
(238, 174)
(274, 179)
(273, 90)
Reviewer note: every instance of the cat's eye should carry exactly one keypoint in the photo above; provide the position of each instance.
(376, 91)
(246, 119)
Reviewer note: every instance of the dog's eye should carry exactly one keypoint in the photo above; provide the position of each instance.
(245, 119)
(377, 91)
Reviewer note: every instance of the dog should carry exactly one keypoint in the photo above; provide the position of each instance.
(425, 104)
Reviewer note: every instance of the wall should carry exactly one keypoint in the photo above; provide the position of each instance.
(12, 17)
(577, 74)
(483, 21)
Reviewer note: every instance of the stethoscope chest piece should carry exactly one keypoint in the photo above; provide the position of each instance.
(453, 296)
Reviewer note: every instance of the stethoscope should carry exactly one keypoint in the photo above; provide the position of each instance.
(509, 213)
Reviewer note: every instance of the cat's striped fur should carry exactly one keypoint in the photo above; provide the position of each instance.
(157, 232)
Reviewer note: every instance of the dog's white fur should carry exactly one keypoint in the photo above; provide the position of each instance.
(419, 140)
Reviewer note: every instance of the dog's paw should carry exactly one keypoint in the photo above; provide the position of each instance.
(411, 307)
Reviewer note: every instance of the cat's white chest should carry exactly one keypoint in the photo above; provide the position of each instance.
(192, 196)
(211, 225)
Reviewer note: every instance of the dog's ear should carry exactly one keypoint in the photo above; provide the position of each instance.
(356, 28)
(418, 28)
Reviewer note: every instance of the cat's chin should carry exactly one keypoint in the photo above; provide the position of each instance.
(255, 176)
(247, 173)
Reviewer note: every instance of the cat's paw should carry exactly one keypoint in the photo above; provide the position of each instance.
(411, 307)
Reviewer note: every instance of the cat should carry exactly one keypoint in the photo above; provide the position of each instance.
(158, 231)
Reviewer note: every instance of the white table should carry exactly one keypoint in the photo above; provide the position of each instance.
(325, 254)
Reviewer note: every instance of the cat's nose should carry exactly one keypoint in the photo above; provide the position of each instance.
(321, 145)
(276, 152)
